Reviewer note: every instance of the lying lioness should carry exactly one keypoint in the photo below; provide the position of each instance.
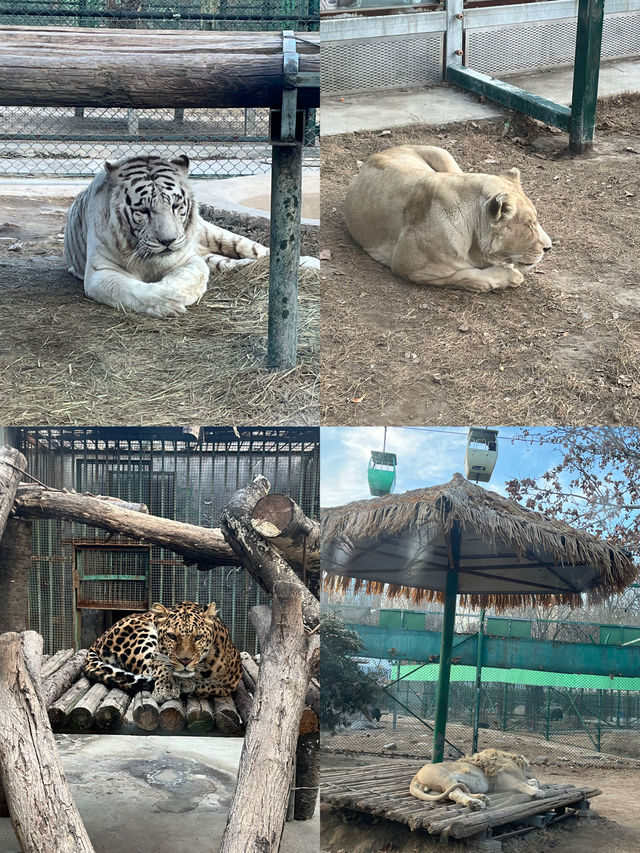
(413, 209)
(469, 779)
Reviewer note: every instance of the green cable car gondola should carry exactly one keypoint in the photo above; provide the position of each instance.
(382, 470)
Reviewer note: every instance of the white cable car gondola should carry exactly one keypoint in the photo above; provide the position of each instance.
(482, 453)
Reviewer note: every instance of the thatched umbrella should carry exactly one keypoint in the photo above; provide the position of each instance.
(461, 539)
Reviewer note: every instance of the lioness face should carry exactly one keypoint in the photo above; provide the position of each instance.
(517, 237)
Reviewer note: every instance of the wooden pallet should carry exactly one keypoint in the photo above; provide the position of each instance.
(383, 790)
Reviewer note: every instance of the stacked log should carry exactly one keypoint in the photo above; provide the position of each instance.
(146, 714)
(75, 704)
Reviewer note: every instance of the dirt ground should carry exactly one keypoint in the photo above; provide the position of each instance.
(67, 360)
(563, 348)
(615, 826)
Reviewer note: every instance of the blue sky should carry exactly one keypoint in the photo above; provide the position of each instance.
(426, 457)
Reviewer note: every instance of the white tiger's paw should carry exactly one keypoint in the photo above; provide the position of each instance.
(170, 298)
(309, 262)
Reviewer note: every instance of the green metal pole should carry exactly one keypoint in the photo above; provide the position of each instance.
(599, 726)
(585, 75)
(446, 644)
(476, 712)
(505, 699)
(548, 711)
(286, 202)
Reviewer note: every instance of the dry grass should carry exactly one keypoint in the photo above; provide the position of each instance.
(67, 360)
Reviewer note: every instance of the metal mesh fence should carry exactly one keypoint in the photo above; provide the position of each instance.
(52, 141)
(552, 717)
(75, 566)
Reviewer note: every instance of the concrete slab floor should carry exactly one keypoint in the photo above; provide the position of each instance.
(445, 104)
(248, 194)
(157, 794)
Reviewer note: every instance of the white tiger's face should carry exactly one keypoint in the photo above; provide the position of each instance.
(152, 204)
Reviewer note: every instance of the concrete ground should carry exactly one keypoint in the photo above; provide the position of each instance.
(438, 105)
(157, 794)
(250, 194)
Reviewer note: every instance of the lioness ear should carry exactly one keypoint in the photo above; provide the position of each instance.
(182, 163)
(159, 611)
(501, 206)
(512, 175)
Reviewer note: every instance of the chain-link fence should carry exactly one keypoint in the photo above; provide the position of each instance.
(84, 579)
(551, 716)
(52, 141)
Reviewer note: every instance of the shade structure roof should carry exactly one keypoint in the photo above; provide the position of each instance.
(505, 554)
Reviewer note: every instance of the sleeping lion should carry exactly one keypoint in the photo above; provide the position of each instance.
(137, 240)
(413, 209)
(468, 780)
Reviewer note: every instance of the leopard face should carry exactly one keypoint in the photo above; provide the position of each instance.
(186, 634)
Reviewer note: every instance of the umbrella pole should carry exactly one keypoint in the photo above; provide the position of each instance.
(446, 645)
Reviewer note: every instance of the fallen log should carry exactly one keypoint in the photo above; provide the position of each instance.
(103, 67)
(261, 559)
(226, 717)
(110, 713)
(200, 715)
(287, 659)
(85, 708)
(146, 714)
(297, 537)
(43, 813)
(63, 677)
(195, 544)
(172, 716)
(62, 707)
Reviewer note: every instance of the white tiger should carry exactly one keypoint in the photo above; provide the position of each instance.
(136, 238)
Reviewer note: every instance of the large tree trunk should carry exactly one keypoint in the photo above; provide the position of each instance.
(12, 465)
(258, 810)
(258, 556)
(15, 567)
(43, 813)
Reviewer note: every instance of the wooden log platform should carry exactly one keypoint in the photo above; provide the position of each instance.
(383, 790)
(86, 706)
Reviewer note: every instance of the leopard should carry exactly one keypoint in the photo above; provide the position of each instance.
(169, 651)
